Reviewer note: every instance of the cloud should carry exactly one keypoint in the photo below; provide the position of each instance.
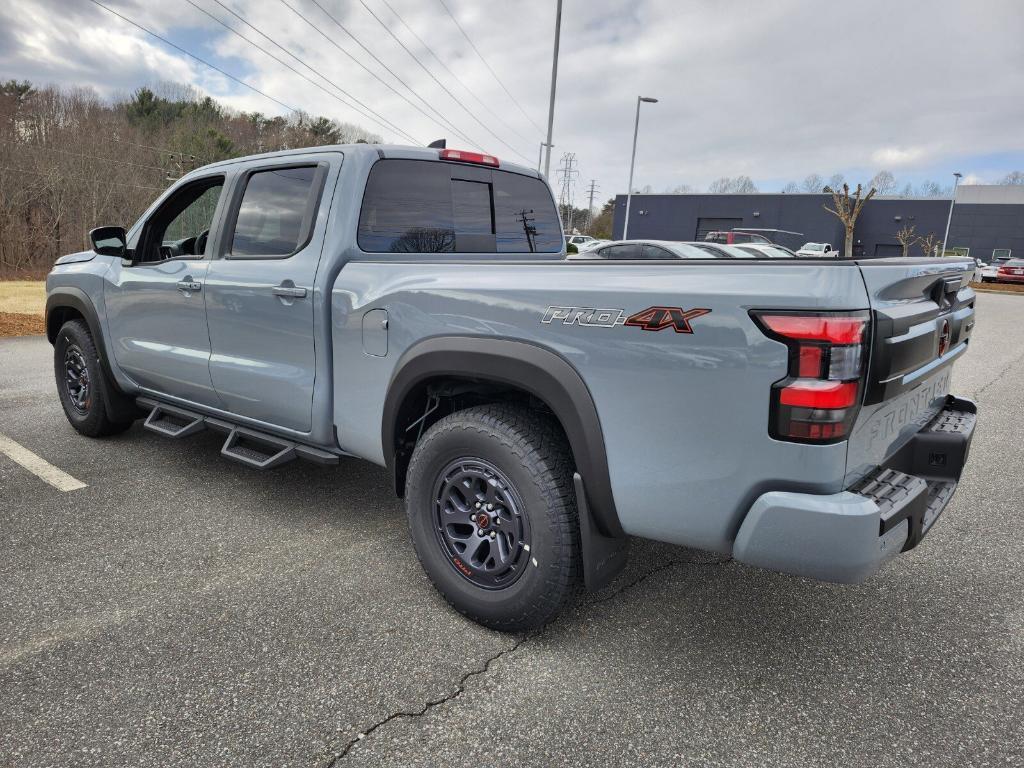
(773, 90)
(893, 158)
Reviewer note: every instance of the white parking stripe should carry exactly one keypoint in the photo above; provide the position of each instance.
(41, 468)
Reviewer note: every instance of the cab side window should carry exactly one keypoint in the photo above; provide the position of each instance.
(276, 212)
(181, 226)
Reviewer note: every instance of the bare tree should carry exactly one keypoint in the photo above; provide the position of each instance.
(836, 180)
(1014, 177)
(884, 182)
(930, 244)
(905, 237)
(736, 185)
(847, 209)
(790, 188)
(813, 183)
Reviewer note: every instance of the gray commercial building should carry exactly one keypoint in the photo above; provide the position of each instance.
(987, 219)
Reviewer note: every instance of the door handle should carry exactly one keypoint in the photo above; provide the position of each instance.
(289, 292)
(187, 286)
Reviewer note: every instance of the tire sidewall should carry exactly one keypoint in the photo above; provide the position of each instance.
(73, 334)
(439, 448)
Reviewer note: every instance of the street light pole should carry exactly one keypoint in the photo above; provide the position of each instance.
(949, 219)
(554, 81)
(540, 154)
(632, 160)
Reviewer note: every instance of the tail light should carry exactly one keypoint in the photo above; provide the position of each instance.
(818, 400)
(469, 157)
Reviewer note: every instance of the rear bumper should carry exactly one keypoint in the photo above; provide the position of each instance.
(1010, 278)
(847, 536)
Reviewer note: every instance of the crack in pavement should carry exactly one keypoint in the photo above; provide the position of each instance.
(460, 687)
(998, 376)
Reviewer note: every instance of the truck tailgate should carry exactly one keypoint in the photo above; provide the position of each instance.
(922, 318)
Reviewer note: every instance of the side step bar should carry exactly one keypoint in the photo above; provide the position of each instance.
(250, 447)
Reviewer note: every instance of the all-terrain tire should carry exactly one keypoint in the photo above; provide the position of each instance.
(75, 351)
(528, 459)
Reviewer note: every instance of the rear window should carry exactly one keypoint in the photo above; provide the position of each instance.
(419, 206)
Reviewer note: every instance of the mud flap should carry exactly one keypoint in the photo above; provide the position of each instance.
(603, 556)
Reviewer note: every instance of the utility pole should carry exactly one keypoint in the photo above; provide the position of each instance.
(526, 218)
(540, 155)
(590, 205)
(632, 160)
(567, 174)
(554, 81)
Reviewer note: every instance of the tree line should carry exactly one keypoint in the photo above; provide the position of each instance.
(883, 181)
(71, 161)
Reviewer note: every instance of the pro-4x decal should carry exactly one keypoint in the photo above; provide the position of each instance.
(650, 319)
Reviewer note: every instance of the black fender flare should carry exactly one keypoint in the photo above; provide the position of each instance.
(539, 371)
(119, 405)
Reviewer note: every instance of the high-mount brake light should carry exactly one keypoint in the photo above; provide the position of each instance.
(819, 398)
(469, 157)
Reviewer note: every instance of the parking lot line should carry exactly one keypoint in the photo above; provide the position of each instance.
(39, 467)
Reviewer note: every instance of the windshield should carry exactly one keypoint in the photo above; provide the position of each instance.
(771, 251)
(813, 247)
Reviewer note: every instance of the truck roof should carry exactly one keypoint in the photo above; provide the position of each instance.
(383, 150)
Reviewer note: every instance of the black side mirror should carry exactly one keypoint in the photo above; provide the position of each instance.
(109, 241)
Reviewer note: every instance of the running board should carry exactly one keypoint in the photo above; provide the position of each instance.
(257, 450)
(173, 422)
(250, 447)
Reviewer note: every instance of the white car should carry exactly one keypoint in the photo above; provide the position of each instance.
(578, 240)
(818, 251)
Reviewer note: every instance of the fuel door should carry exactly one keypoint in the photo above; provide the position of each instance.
(375, 332)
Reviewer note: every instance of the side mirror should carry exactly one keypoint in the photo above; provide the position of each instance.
(109, 241)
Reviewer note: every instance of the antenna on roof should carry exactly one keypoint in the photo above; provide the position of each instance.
(439, 144)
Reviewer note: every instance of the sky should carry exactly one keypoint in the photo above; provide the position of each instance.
(772, 89)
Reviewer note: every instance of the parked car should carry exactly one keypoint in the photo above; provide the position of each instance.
(1011, 271)
(818, 251)
(579, 240)
(593, 243)
(622, 250)
(398, 305)
(772, 251)
(743, 235)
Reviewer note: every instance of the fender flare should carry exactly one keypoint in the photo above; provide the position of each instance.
(119, 405)
(539, 371)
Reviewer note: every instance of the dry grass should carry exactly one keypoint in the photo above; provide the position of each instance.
(22, 304)
(998, 287)
(23, 297)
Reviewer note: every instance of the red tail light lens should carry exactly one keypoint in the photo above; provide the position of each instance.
(469, 157)
(819, 398)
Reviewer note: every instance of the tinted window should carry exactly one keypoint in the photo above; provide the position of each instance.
(654, 252)
(624, 251)
(274, 217)
(525, 214)
(416, 206)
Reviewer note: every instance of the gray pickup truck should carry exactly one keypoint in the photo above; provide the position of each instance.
(414, 308)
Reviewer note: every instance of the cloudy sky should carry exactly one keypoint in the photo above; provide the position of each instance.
(773, 89)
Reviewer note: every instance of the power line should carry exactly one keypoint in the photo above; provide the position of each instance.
(568, 173)
(372, 116)
(91, 157)
(434, 77)
(461, 82)
(148, 146)
(78, 178)
(489, 69)
(443, 122)
(193, 56)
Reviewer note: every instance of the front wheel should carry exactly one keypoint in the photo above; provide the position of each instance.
(81, 383)
(492, 511)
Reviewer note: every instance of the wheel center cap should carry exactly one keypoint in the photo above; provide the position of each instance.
(483, 520)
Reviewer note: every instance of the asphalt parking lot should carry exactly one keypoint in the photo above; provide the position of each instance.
(184, 610)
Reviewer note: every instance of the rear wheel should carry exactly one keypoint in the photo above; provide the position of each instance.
(492, 511)
(81, 384)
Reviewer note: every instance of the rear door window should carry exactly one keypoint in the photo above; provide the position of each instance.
(276, 212)
(624, 251)
(418, 206)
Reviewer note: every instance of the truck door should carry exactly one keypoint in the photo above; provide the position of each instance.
(155, 309)
(260, 291)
